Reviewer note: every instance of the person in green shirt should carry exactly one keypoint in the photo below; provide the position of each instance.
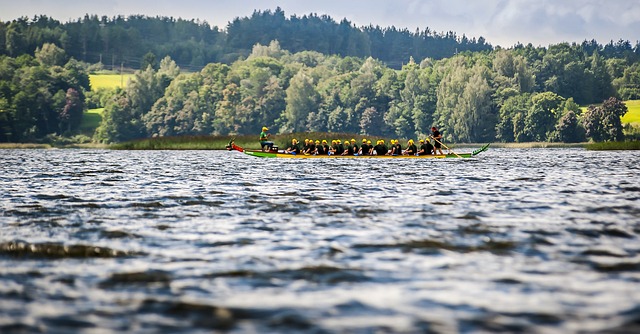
(264, 139)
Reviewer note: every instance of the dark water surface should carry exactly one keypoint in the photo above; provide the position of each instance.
(197, 241)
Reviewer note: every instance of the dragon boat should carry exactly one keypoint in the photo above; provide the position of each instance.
(275, 153)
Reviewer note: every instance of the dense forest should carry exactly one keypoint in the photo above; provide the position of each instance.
(192, 44)
(307, 74)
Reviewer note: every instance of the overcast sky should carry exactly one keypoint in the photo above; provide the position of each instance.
(500, 22)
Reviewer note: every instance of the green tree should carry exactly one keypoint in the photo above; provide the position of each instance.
(541, 118)
(510, 126)
(15, 40)
(603, 123)
(568, 129)
(70, 115)
(149, 59)
(50, 55)
(628, 86)
(125, 117)
(120, 121)
(302, 99)
(465, 108)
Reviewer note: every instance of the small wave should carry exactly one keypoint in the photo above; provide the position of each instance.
(116, 234)
(199, 315)
(602, 251)
(68, 321)
(148, 205)
(619, 265)
(221, 318)
(58, 251)
(137, 278)
(435, 246)
(317, 274)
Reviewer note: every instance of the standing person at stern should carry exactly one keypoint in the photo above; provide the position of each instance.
(437, 138)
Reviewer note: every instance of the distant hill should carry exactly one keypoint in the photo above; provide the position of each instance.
(134, 40)
(137, 40)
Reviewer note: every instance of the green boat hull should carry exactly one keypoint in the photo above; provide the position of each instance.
(261, 154)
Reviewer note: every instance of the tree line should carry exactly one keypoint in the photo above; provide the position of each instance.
(510, 95)
(472, 97)
(193, 44)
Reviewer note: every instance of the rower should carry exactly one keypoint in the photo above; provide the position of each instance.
(411, 148)
(364, 148)
(294, 148)
(398, 148)
(348, 149)
(429, 147)
(333, 150)
(392, 147)
(326, 146)
(381, 148)
(425, 148)
(340, 148)
(319, 149)
(310, 147)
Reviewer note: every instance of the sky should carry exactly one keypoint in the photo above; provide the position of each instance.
(500, 22)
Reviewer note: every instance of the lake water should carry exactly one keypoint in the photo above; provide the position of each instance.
(517, 240)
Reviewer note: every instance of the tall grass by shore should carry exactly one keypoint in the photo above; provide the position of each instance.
(614, 145)
(283, 140)
(176, 143)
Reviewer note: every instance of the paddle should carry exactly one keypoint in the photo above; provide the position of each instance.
(445, 146)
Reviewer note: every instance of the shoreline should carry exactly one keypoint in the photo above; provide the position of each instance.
(219, 143)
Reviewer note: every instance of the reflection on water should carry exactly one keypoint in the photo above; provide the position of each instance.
(515, 240)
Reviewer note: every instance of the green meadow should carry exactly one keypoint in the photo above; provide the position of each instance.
(633, 115)
(90, 121)
(109, 80)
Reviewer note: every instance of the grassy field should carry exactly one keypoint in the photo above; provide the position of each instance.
(90, 121)
(633, 115)
(109, 80)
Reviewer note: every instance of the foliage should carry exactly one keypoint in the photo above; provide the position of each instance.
(568, 129)
(40, 95)
(136, 40)
(123, 116)
(602, 123)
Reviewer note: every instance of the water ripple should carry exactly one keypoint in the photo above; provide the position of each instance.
(535, 240)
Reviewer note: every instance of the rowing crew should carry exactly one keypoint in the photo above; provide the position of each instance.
(350, 147)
